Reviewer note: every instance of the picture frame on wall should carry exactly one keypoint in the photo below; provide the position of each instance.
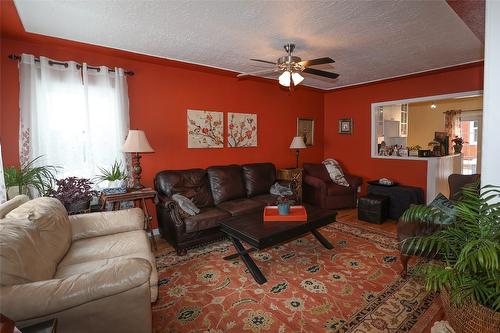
(345, 126)
(305, 129)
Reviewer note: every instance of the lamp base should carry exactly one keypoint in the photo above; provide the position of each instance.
(136, 158)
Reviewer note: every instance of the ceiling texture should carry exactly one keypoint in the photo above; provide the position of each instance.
(369, 41)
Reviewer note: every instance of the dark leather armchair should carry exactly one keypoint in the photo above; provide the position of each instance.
(319, 190)
(220, 192)
(410, 229)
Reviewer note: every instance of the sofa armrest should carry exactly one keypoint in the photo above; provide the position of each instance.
(106, 223)
(315, 183)
(43, 298)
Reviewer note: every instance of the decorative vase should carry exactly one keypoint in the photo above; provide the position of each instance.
(470, 317)
(457, 149)
(284, 208)
(81, 206)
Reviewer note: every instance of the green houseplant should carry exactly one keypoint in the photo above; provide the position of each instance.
(30, 178)
(467, 269)
(115, 177)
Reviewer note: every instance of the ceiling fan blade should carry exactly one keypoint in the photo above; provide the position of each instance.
(261, 72)
(319, 61)
(313, 71)
(267, 62)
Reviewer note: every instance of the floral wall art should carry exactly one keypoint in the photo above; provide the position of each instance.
(241, 130)
(205, 129)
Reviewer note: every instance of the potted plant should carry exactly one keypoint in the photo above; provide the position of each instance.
(458, 144)
(467, 271)
(29, 178)
(413, 150)
(114, 179)
(283, 202)
(74, 193)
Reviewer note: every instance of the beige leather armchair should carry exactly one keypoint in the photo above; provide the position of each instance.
(93, 272)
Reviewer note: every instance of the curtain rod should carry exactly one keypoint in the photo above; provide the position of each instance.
(51, 62)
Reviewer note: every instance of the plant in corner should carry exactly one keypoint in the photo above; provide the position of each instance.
(74, 193)
(31, 179)
(115, 177)
(467, 271)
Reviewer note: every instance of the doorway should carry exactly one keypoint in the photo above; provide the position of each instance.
(471, 128)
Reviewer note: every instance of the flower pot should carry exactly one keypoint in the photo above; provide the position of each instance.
(284, 208)
(470, 317)
(81, 206)
(457, 149)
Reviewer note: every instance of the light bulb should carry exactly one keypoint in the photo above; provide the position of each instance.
(297, 78)
(284, 79)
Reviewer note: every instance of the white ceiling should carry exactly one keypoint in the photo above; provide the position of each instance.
(368, 40)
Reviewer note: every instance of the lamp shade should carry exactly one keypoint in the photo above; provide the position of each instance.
(137, 142)
(298, 143)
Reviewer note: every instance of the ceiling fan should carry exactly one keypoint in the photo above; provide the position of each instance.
(291, 66)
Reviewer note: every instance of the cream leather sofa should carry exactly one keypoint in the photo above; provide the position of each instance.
(93, 272)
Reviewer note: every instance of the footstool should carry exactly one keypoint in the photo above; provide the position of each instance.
(373, 208)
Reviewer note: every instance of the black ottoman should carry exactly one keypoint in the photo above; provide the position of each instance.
(373, 208)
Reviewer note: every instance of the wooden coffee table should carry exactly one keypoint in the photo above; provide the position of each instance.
(252, 230)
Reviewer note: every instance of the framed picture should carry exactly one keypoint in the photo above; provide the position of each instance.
(205, 129)
(345, 126)
(305, 129)
(241, 130)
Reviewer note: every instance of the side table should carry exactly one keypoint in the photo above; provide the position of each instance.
(295, 175)
(135, 196)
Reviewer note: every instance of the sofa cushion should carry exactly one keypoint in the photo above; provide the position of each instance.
(21, 260)
(258, 178)
(192, 183)
(226, 183)
(9, 205)
(239, 207)
(317, 170)
(207, 218)
(266, 199)
(51, 219)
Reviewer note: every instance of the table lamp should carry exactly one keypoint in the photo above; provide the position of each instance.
(136, 143)
(297, 143)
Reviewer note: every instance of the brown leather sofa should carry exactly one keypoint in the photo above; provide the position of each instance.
(415, 228)
(318, 189)
(221, 192)
(93, 272)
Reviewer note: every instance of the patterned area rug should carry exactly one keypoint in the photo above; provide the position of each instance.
(353, 288)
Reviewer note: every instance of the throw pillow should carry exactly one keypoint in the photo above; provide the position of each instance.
(186, 205)
(445, 207)
(335, 171)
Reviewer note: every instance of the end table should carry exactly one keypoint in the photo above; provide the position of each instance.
(133, 195)
(293, 174)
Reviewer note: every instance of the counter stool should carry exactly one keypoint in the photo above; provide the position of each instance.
(373, 208)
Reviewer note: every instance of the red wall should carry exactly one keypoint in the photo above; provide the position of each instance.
(354, 151)
(159, 96)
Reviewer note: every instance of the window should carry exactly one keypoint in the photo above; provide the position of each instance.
(473, 132)
(403, 129)
(74, 117)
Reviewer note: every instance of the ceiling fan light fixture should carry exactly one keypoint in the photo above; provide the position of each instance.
(284, 79)
(297, 78)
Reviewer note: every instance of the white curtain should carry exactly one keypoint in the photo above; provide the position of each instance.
(3, 190)
(76, 118)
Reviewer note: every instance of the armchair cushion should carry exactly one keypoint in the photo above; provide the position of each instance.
(208, 218)
(106, 223)
(9, 205)
(317, 170)
(335, 189)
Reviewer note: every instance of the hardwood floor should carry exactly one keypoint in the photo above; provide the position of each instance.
(349, 216)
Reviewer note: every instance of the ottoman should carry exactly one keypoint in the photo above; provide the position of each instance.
(373, 208)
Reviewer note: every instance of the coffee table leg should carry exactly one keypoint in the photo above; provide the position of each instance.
(322, 239)
(252, 267)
